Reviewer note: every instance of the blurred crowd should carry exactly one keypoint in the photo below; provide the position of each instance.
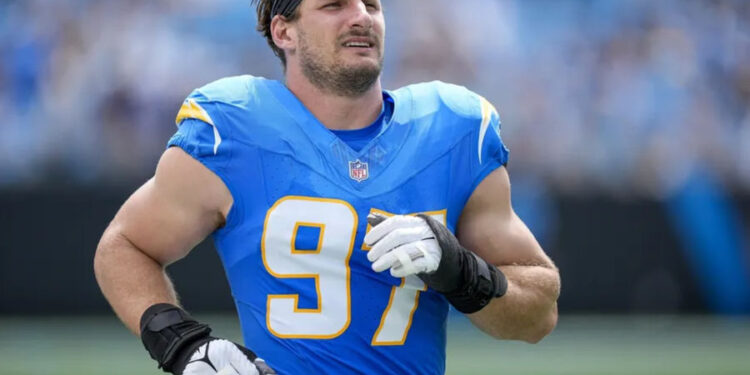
(620, 97)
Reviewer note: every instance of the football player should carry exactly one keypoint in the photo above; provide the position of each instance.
(348, 218)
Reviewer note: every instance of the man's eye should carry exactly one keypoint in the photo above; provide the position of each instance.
(335, 4)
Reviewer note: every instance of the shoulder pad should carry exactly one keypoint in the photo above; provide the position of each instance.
(457, 99)
(230, 89)
(233, 91)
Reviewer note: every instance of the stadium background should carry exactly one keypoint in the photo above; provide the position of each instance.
(628, 124)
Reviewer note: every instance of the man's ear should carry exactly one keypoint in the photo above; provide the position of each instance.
(284, 33)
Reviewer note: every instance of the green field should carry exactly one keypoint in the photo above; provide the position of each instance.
(580, 345)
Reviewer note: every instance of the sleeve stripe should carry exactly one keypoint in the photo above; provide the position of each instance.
(191, 109)
(486, 116)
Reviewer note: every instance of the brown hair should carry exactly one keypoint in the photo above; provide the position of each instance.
(265, 10)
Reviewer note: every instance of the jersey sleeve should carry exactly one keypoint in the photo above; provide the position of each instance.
(204, 133)
(490, 152)
(200, 133)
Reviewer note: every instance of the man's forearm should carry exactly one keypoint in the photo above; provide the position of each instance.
(528, 311)
(129, 279)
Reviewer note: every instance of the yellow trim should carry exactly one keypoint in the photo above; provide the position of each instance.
(385, 314)
(487, 108)
(490, 107)
(443, 212)
(316, 277)
(191, 109)
(408, 324)
(320, 226)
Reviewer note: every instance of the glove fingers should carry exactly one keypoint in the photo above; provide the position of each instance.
(387, 226)
(397, 238)
(247, 352)
(220, 357)
(229, 370)
(402, 257)
(406, 265)
(239, 360)
(420, 261)
(198, 368)
(385, 262)
(399, 272)
(263, 367)
(375, 218)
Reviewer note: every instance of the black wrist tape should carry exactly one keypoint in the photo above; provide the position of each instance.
(466, 280)
(167, 330)
(482, 282)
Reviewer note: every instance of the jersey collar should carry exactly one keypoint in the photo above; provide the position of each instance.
(378, 153)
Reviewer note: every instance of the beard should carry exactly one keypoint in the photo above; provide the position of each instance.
(337, 78)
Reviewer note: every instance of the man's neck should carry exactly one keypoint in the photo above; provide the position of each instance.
(337, 112)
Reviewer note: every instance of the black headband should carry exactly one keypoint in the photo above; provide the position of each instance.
(284, 7)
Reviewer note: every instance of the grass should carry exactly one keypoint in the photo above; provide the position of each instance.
(580, 345)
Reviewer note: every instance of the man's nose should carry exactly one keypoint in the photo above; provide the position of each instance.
(360, 17)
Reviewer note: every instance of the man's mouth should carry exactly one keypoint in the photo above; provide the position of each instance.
(359, 43)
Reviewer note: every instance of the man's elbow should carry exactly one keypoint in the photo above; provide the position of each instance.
(111, 253)
(102, 254)
(544, 327)
(531, 332)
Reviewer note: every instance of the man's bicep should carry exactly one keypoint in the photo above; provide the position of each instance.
(489, 227)
(171, 213)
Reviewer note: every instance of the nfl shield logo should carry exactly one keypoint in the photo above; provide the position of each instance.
(358, 170)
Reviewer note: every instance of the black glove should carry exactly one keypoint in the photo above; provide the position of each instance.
(466, 280)
(181, 345)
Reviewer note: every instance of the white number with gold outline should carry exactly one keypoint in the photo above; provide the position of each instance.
(328, 266)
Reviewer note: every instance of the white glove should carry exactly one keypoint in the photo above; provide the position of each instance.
(223, 357)
(404, 244)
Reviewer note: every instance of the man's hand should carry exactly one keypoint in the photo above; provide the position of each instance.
(223, 357)
(182, 346)
(403, 244)
(424, 247)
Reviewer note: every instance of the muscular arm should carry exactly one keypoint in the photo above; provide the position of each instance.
(159, 224)
(489, 227)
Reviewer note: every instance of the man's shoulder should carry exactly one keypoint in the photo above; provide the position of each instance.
(235, 90)
(438, 96)
(242, 98)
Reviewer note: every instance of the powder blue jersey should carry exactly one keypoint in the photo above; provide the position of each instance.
(292, 247)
